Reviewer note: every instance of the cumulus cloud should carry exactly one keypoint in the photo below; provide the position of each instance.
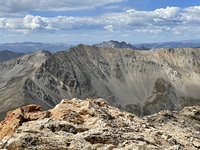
(191, 15)
(16, 6)
(168, 19)
(169, 12)
(35, 22)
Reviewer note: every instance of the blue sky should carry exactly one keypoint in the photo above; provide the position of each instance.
(94, 21)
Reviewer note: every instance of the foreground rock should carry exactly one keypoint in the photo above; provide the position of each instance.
(15, 118)
(93, 124)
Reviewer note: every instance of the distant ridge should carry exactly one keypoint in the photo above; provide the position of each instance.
(114, 44)
(30, 47)
(172, 44)
(7, 55)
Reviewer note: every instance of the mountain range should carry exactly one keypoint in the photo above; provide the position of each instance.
(30, 47)
(142, 82)
(147, 46)
(173, 44)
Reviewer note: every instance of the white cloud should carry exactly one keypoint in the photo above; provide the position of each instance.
(191, 15)
(153, 31)
(166, 13)
(16, 6)
(125, 35)
(195, 9)
(75, 35)
(109, 28)
(112, 7)
(170, 19)
(35, 22)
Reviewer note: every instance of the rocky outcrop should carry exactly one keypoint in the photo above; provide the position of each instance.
(93, 124)
(15, 118)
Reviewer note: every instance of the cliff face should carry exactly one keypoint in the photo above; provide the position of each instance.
(142, 82)
(93, 124)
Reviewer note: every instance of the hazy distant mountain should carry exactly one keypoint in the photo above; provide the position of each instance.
(142, 82)
(7, 55)
(114, 44)
(29, 47)
(175, 44)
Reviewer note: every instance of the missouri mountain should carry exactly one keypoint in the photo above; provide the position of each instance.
(142, 82)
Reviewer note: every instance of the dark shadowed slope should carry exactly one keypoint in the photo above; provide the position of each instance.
(7, 55)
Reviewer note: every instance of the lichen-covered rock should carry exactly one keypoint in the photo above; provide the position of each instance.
(15, 118)
(93, 124)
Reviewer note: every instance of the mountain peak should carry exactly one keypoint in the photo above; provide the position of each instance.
(114, 44)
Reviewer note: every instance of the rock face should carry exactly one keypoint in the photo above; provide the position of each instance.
(93, 124)
(142, 82)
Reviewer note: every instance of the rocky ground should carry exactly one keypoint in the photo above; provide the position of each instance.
(93, 124)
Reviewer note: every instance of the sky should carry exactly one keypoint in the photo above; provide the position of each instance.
(95, 21)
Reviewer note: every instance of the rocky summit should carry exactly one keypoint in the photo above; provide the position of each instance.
(93, 124)
(114, 44)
